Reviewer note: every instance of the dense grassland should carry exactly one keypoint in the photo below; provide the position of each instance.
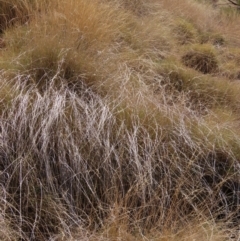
(119, 120)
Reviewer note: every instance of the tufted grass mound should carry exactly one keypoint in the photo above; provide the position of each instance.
(201, 58)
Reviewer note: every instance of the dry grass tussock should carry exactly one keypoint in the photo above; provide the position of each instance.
(110, 130)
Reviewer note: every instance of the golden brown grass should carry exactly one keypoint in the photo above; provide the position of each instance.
(119, 121)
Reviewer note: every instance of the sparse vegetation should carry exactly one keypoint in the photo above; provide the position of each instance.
(119, 121)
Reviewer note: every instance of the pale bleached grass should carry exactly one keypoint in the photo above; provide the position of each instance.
(67, 161)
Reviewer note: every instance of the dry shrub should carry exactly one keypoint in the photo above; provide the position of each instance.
(201, 58)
